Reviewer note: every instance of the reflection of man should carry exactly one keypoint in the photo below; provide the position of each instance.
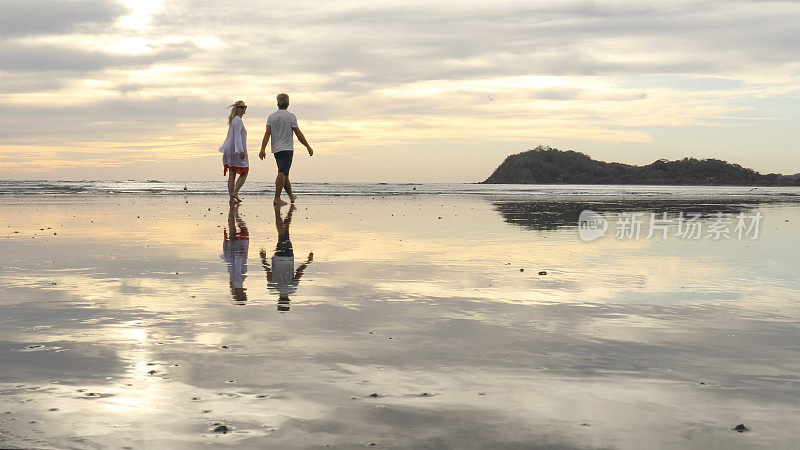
(281, 276)
(234, 251)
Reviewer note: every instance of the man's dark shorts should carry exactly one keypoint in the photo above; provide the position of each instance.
(284, 247)
(284, 160)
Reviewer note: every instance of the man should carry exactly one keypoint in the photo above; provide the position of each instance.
(280, 126)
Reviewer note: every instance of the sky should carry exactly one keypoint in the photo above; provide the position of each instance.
(401, 91)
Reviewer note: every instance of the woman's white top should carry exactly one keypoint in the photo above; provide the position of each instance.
(235, 144)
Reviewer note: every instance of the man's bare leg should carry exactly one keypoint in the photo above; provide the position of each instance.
(279, 181)
(239, 184)
(288, 188)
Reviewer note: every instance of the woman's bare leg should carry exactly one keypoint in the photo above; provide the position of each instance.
(231, 183)
(239, 184)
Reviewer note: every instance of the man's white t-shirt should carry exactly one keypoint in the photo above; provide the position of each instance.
(281, 123)
(283, 275)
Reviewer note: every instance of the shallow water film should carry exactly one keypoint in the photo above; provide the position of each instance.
(397, 321)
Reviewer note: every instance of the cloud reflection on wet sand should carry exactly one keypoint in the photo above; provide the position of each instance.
(125, 324)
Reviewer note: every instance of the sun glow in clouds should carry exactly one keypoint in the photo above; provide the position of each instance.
(141, 12)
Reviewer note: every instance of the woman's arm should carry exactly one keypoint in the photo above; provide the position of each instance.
(237, 136)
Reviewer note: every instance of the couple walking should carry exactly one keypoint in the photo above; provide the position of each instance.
(280, 126)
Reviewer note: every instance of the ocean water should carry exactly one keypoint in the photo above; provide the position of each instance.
(154, 187)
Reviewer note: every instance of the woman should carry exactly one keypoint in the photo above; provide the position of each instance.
(234, 151)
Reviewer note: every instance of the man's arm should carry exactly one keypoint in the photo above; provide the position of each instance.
(299, 272)
(267, 268)
(264, 142)
(303, 140)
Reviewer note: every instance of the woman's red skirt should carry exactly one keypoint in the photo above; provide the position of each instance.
(239, 170)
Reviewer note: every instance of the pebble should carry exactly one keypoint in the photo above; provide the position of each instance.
(375, 395)
(220, 429)
(741, 428)
(522, 270)
(542, 272)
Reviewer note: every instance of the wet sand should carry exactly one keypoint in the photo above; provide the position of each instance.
(417, 321)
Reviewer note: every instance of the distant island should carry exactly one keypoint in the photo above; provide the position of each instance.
(546, 165)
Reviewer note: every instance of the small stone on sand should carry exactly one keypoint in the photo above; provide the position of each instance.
(741, 428)
(220, 429)
(542, 272)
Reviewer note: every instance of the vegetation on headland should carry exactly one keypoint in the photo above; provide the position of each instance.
(546, 165)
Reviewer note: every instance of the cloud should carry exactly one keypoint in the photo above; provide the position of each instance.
(415, 41)
(41, 17)
(29, 57)
(381, 74)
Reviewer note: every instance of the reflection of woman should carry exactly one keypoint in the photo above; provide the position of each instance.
(281, 276)
(235, 246)
(234, 151)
